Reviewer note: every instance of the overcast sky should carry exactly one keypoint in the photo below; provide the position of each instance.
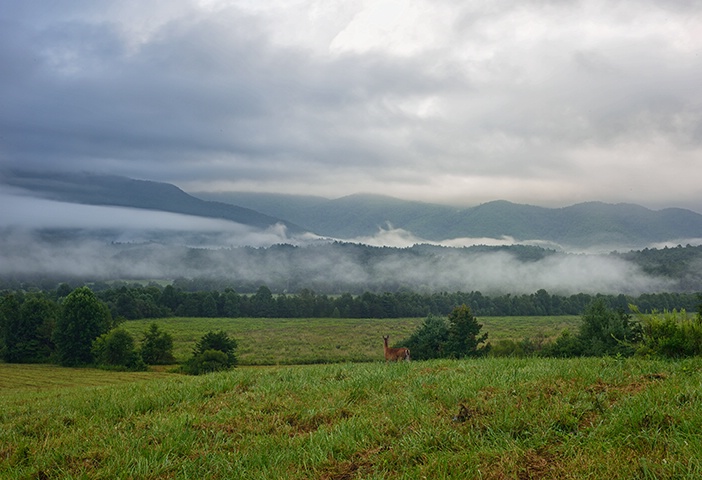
(542, 102)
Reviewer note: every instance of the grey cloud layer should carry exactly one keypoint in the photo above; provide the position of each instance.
(539, 102)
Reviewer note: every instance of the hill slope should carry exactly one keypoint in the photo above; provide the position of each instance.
(125, 192)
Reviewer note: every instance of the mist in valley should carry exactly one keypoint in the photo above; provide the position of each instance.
(325, 267)
(44, 238)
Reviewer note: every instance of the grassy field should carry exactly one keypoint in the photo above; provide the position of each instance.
(492, 418)
(272, 341)
(358, 417)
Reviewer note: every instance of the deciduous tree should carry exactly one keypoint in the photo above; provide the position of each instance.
(83, 318)
(116, 349)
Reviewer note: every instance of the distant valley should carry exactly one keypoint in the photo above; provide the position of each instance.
(111, 227)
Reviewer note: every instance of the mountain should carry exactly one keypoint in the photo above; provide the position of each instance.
(582, 225)
(346, 217)
(91, 189)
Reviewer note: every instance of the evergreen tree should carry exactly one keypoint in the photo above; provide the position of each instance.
(157, 347)
(217, 341)
(463, 331)
(608, 332)
(263, 303)
(33, 334)
(9, 316)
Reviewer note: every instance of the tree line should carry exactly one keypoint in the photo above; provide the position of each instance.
(79, 330)
(136, 301)
(132, 302)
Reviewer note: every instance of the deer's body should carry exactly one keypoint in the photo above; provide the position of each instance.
(395, 354)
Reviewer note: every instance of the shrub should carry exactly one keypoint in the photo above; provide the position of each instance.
(457, 337)
(603, 331)
(671, 334)
(116, 349)
(565, 346)
(207, 362)
(213, 352)
(527, 347)
(608, 332)
(428, 340)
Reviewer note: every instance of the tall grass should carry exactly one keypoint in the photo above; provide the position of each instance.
(491, 418)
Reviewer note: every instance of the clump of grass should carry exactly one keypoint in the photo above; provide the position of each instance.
(489, 418)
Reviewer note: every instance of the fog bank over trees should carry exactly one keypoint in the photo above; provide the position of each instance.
(336, 267)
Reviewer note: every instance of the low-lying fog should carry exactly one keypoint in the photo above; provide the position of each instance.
(98, 242)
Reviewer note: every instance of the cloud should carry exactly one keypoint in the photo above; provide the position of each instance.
(547, 103)
(132, 225)
(389, 236)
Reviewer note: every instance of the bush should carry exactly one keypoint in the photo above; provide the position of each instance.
(116, 349)
(428, 340)
(527, 347)
(603, 331)
(608, 332)
(672, 335)
(457, 338)
(565, 346)
(213, 352)
(207, 362)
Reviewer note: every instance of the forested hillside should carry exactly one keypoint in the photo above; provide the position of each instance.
(593, 224)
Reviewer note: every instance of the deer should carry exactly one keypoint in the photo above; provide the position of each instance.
(395, 354)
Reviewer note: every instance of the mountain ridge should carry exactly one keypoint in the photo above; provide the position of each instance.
(113, 190)
(579, 226)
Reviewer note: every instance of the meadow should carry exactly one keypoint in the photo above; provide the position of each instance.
(276, 341)
(489, 418)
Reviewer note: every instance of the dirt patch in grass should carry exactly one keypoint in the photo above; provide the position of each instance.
(540, 464)
(360, 465)
(543, 463)
(302, 425)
